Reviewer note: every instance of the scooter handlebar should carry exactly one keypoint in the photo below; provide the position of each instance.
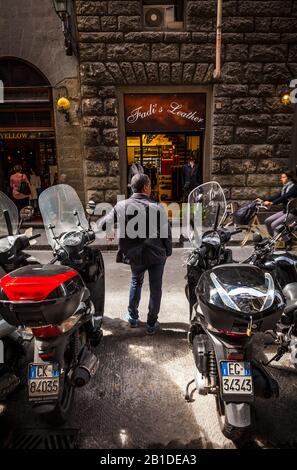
(34, 237)
(235, 232)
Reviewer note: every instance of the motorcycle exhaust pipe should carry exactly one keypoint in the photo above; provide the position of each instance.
(86, 369)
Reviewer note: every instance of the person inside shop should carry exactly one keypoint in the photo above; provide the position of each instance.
(135, 169)
(147, 251)
(21, 188)
(190, 177)
(35, 183)
(288, 192)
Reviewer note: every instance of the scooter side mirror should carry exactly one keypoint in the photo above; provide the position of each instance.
(90, 208)
(257, 238)
(183, 238)
(26, 213)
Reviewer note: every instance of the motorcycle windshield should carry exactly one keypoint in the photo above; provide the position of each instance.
(62, 210)
(206, 210)
(6, 204)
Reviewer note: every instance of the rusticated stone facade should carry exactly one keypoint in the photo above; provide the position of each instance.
(250, 141)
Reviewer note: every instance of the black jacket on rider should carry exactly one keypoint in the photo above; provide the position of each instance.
(289, 192)
(144, 232)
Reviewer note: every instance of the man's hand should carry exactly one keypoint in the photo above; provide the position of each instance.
(258, 200)
(267, 203)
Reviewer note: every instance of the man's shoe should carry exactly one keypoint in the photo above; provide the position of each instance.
(95, 337)
(151, 329)
(133, 322)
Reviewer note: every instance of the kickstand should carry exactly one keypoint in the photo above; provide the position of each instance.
(189, 396)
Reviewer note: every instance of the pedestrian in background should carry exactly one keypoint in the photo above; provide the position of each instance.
(21, 188)
(190, 177)
(35, 183)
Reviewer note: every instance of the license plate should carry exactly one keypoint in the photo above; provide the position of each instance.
(43, 381)
(236, 378)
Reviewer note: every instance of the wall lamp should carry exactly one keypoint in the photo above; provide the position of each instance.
(63, 106)
(286, 99)
(63, 9)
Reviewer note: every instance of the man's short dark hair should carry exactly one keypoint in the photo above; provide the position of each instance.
(138, 182)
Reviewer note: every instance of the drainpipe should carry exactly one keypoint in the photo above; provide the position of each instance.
(217, 72)
(293, 162)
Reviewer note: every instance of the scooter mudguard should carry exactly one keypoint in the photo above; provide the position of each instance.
(238, 414)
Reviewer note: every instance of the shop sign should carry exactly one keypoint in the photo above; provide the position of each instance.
(8, 135)
(165, 112)
(13, 135)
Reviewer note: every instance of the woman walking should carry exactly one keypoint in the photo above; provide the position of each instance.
(21, 188)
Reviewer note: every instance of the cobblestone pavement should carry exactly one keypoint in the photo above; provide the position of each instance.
(137, 397)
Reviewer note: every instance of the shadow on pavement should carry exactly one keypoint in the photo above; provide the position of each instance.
(137, 400)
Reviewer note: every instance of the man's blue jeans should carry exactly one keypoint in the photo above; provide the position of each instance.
(155, 273)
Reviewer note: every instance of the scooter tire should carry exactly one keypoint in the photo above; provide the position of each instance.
(60, 414)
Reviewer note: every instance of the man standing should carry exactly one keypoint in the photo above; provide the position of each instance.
(145, 242)
(190, 177)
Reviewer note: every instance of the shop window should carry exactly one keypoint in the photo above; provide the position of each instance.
(163, 15)
(163, 157)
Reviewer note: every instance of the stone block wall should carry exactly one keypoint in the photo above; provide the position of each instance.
(252, 130)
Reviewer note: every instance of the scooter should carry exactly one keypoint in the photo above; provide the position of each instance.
(55, 302)
(232, 302)
(282, 265)
(12, 256)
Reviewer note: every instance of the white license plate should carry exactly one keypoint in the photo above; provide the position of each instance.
(236, 378)
(43, 381)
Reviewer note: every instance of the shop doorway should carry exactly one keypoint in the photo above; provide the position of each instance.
(27, 134)
(162, 132)
(163, 157)
(35, 157)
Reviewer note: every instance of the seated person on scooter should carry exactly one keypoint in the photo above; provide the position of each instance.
(288, 192)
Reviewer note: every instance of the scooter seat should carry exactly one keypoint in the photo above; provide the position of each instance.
(291, 307)
(290, 292)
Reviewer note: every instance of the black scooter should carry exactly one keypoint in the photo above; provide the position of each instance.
(231, 302)
(282, 265)
(56, 302)
(13, 348)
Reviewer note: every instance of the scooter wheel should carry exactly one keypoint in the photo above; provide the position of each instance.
(61, 412)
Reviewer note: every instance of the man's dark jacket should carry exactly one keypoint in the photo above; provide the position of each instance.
(190, 176)
(155, 243)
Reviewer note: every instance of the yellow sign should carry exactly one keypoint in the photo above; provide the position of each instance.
(13, 135)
